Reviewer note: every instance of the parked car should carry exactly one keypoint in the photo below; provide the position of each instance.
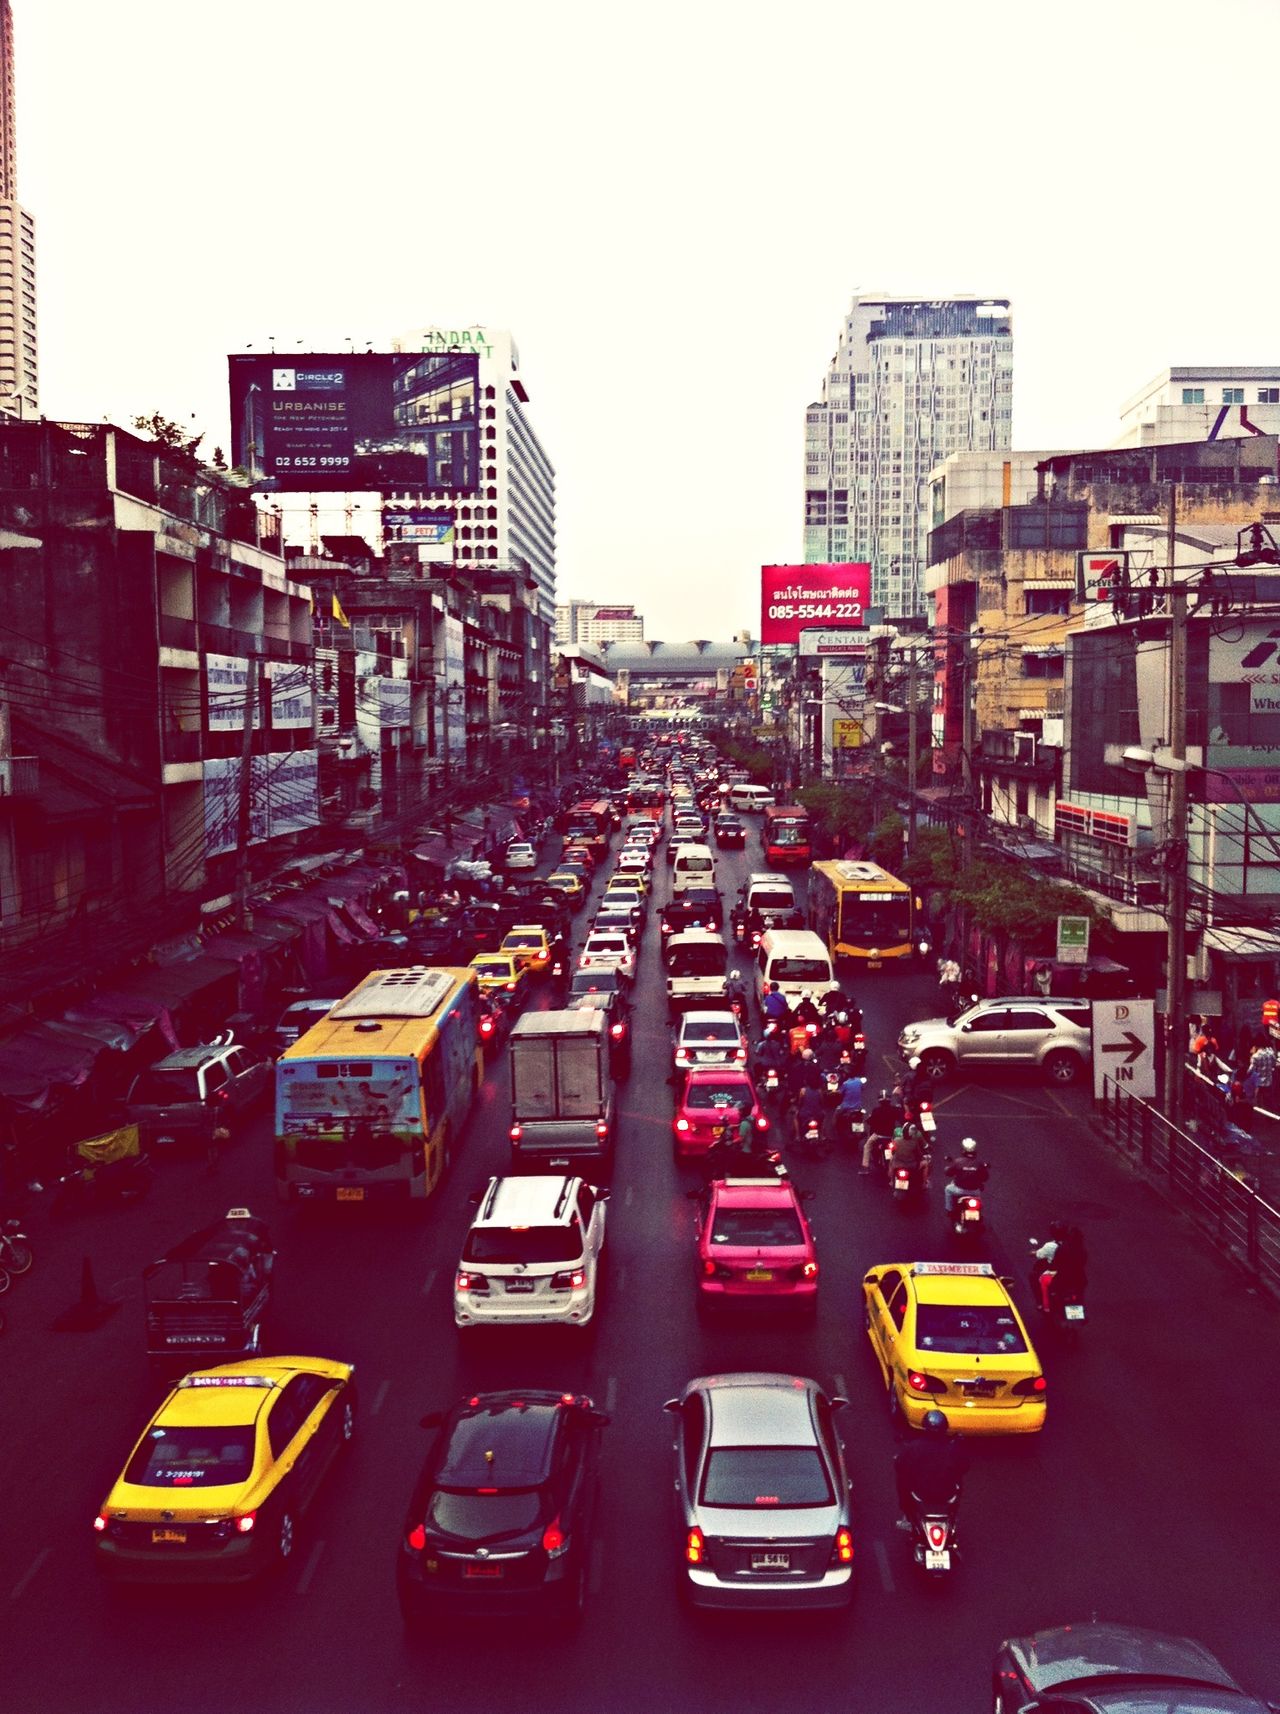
(298, 1018)
(521, 855)
(1055, 1035)
(184, 1096)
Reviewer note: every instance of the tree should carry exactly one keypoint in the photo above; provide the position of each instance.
(172, 437)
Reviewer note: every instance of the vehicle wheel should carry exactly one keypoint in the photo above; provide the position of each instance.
(1062, 1067)
(19, 1257)
(6, 1279)
(897, 1421)
(284, 1538)
(348, 1426)
(936, 1064)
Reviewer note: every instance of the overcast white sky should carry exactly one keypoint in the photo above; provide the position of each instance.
(670, 205)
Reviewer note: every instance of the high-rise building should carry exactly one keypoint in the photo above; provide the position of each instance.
(1202, 404)
(511, 520)
(19, 369)
(590, 622)
(912, 380)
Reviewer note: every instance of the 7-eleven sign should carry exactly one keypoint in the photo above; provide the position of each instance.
(1101, 576)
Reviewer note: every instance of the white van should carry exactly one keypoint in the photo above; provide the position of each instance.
(692, 866)
(748, 798)
(798, 961)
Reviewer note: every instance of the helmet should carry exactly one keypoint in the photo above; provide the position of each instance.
(842, 1018)
(806, 1053)
(914, 1062)
(934, 1422)
(969, 1145)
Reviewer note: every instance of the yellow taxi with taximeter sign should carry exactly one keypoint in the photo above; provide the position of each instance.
(216, 1487)
(947, 1337)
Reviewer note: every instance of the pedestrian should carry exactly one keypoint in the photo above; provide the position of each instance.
(1043, 980)
(1262, 1063)
(1205, 1048)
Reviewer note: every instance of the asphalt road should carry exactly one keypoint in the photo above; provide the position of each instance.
(1150, 1498)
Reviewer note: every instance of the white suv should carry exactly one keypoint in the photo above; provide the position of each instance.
(1055, 1035)
(608, 950)
(532, 1256)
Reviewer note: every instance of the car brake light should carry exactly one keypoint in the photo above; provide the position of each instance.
(682, 1056)
(809, 1271)
(471, 1282)
(741, 1054)
(515, 1133)
(511, 987)
(572, 1279)
(937, 1535)
(100, 1522)
(693, 1547)
(921, 1383)
(843, 1547)
(486, 1026)
(244, 1523)
(602, 1127)
(416, 1538)
(709, 1268)
(554, 1540)
(617, 1031)
(1032, 1384)
(682, 1124)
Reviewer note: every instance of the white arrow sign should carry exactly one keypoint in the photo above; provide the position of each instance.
(1124, 1046)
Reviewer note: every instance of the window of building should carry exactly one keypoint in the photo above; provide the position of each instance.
(1046, 601)
(1233, 395)
(1269, 395)
(1193, 395)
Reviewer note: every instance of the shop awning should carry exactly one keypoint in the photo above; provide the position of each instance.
(361, 918)
(304, 907)
(171, 984)
(38, 1058)
(1248, 945)
(237, 944)
(126, 1007)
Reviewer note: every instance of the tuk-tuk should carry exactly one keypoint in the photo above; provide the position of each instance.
(207, 1299)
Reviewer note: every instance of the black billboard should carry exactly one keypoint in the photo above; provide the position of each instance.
(374, 422)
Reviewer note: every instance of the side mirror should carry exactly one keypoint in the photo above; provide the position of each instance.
(433, 1419)
(598, 1418)
(602, 1195)
(672, 1405)
(839, 1402)
(870, 1279)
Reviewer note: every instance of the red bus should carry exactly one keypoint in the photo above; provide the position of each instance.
(786, 835)
(589, 824)
(647, 798)
(626, 758)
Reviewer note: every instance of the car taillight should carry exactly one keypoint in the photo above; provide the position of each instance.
(809, 1271)
(682, 1056)
(416, 1538)
(554, 1540)
(617, 1031)
(602, 1127)
(1033, 1385)
(921, 1383)
(486, 1026)
(471, 1282)
(511, 987)
(100, 1522)
(937, 1535)
(762, 1122)
(709, 1268)
(842, 1547)
(572, 1279)
(682, 1124)
(245, 1523)
(741, 1054)
(693, 1547)
(972, 1202)
(515, 1133)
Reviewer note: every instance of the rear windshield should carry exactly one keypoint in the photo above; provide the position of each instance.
(163, 1088)
(693, 861)
(514, 940)
(967, 1329)
(594, 982)
(529, 1244)
(712, 1032)
(607, 943)
(192, 1458)
(799, 970)
(765, 1476)
(752, 1226)
(763, 900)
(479, 1518)
(698, 960)
(711, 1095)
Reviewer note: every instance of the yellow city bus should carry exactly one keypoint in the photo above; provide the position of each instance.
(372, 1100)
(864, 913)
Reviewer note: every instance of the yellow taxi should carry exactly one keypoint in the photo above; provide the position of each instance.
(530, 946)
(501, 973)
(566, 882)
(214, 1489)
(632, 881)
(947, 1337)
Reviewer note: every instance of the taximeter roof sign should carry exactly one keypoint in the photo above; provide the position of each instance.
(1124, 1047)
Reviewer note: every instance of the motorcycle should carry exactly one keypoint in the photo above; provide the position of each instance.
(16, 1254)
(1066, 1307)
(809, 1140)
(852, 1127)
(831, 1087)
(966, 1217)
(114, 1170)
(736, 995)
(933, 1536)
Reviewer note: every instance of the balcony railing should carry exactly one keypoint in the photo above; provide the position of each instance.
(182, 746)
(176, 633)
(19, 776)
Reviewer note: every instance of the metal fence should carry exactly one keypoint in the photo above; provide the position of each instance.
(1218, 1194)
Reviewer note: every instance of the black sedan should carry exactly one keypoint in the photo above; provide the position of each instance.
(730, 831)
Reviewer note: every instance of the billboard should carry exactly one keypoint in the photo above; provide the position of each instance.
(417, 535)
(371, 422)
(794, 598)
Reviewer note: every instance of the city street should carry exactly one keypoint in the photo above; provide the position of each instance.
(1150, 1498)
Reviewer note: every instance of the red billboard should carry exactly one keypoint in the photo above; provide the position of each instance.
(795, 598)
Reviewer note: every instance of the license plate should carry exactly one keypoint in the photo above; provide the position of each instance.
(350, 1193)
(178, 1536)
(977, 1389)
(519, 1285)
(771, 1562)
(873, 963)
(162, 1140)
(759, 1274)
(493, 1572)
(971, 1214)
(937, 1559)
(1074, 1312)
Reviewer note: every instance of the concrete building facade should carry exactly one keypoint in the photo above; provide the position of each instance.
(19, 355)
(1181, 404)
(912, 380)
(594, 622)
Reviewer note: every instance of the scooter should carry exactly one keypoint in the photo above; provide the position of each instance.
(1066, 1308)
(852, 1127)
(966, 1217)
(934, 1549)
(809, 1141)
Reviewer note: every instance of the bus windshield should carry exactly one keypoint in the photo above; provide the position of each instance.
(875, 918)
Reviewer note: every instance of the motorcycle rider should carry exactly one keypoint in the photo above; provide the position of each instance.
(810, 1107)
(1059, 1264)
(885, 1118)
(806, 1011)
(930, 1472)
(910, 1150)
(965, 1174)
(852, 1095)
(774, 1005)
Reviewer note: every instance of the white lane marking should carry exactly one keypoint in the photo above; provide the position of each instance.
(429, 1281)
(380, 1397)
(309, 1571)
(882, 1561)
(31, 1571)
(596, 1579)
(628, 1196)
(611, 1387)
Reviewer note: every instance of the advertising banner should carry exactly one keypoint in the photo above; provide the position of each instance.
(795, 598)
(424, 535)
(831, 643)
(356, 423)
(226, 680)
(393, 701)
(284, 797)
(291, 696)
(455, 655)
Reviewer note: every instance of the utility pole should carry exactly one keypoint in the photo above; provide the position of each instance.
(1176, 857)
(912, 758)
(243, 817)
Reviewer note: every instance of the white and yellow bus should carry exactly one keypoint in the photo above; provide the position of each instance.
(373, 1100)
(865, 913)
